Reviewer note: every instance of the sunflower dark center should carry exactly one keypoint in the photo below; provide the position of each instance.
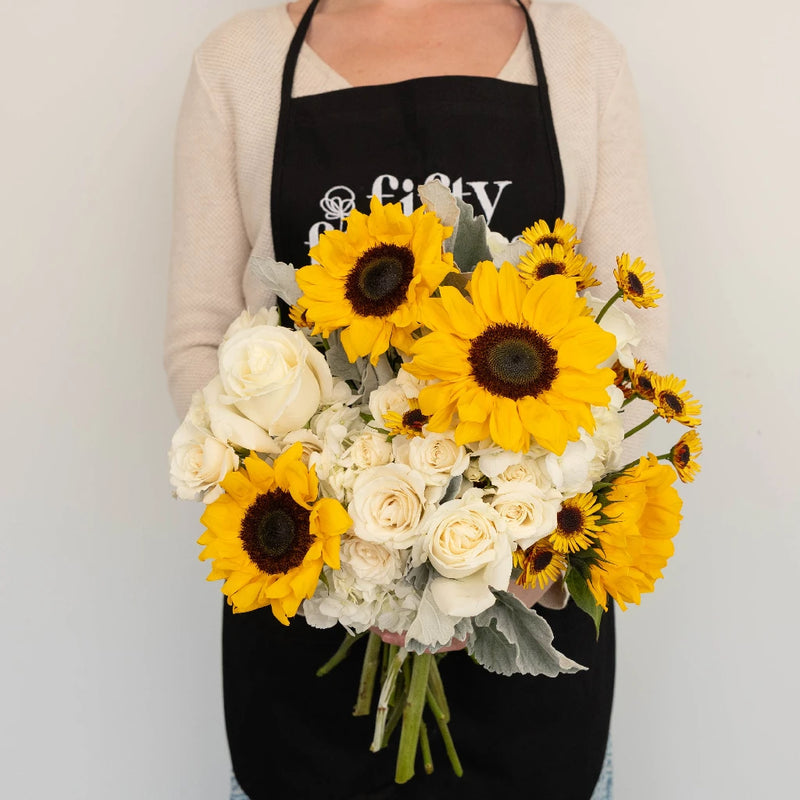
(541, 561)
(377, 284)
(644, 384)
(673, 402)
(635, 285)
(681, 454)
(513, 361)
(415, 419)
(550, 241)
(274, 532)
(549, 268)
(570, 520)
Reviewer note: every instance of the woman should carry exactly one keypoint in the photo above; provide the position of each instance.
(292, 117)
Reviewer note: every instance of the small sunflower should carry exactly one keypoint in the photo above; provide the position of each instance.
(540, 563)
(645, 513)
(642, 380)
(409, 423)
(544, 260)
(269, 534)
(577, 525)
(563, 234)
(671, 402)
(515, 363)
(635, 284)
(683, 456)
(298, 316)
(371, 278)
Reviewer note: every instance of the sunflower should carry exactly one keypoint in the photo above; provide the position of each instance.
(563, 233)
(645, 510)
(683, 456)
(540, 564)
(576, 524)
(371, 278)
(671, 402)
(642, 380)
(409, 423)
(516, 362)
(635, 284)
(269, 534)
(544, 260)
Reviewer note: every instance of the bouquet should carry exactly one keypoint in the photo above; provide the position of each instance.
(444, 417)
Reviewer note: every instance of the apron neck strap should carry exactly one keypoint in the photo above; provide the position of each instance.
(294, 52)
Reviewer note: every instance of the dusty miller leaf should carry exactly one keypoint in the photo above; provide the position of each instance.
(510, 638)
(432, 629)
(439, 199)
(277, 277)
(469, 245)
(340, 365)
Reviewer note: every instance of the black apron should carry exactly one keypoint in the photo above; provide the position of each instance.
(291, 734)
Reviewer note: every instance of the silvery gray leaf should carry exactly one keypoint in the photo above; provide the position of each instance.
(509, 638)
(277, 277)
(431, 628)
(469, 245)
(439, 199)
(512, 253)
(452, 489)
(340, 365)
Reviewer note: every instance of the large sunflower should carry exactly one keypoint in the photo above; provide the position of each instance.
(371, 278)
(636, 545)
(269, 535)
(516, 362)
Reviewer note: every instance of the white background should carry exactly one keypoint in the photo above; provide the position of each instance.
(109, 675)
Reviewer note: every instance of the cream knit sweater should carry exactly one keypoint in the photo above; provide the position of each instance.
(223, 169)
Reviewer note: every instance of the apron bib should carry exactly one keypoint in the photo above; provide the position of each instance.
(291, 734)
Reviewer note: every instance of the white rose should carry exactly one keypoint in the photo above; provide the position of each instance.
(274, 377)
(528, 469)
(388, 505)
(528, 511)
(228, 425)
(391, 396)
(435, 456)
(198, 462)
(369, 449)
(467, 544)
(264, 316)
(608, 438)
(309, 440)
(570, 472)
(618, 323)
(371, 563)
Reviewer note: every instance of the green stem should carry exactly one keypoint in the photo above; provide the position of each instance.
(425, 747)
(629, 400)
(444, 730)
(383, 700)
(339, 655)
(395, 713)
(369, 670)
(613, 299)
(436, 687)
(412, 718)
(640, 426)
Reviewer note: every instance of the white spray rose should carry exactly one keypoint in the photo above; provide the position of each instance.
(369, 449)
(436, 456)
(274, 377)
(570, 472)
(391, 396)
(618, 323)
(371, 564)
(529, 469)
(608, 438)
(388, 505)
(528, 511)
(198, 462)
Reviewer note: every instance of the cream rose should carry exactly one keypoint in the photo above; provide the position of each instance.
(198, 462)
(370, 563)
(264, 316)
(369, 449)
(435, 456)
(466, 542)
(528, 511)
(274, 377)
(388, 505)
(228, 425)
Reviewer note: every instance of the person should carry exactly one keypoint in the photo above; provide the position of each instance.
(293, 116)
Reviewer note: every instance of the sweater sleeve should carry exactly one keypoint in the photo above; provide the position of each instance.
(620, 219)
(210, 246)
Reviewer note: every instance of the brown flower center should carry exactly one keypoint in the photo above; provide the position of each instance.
(549, 240)
(415, 420)
(513, 361)
(548, 268)
(672, 402)
(377, 284)
(635, 286)
(570, 520)
(274, 532)
(681, 454)
(541, 560)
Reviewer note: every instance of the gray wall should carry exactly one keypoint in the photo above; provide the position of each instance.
(109, 677)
